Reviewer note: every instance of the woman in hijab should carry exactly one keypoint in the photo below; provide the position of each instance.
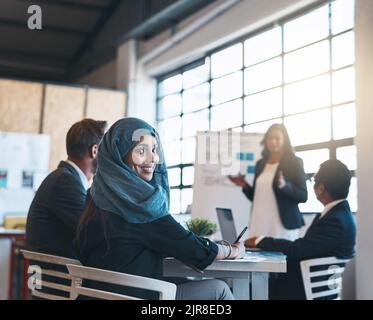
(127, 227)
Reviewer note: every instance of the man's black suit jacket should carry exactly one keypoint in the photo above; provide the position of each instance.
(331, 235)
(55, 212)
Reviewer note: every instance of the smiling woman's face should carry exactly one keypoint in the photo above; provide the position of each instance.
(144, 157)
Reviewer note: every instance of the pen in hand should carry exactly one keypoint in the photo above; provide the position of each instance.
(241, 234)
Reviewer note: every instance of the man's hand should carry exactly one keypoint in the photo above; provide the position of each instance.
(250, 242)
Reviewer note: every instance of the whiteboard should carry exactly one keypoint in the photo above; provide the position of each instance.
(219, 154)
(24, 160)
(23, 156)
(24, 150)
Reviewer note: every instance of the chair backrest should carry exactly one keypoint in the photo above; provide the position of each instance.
(322, 278)
(166, 290)
(57, 280)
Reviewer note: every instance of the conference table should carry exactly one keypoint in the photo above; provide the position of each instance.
(248, 277)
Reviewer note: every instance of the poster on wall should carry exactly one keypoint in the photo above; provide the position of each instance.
(219, 154)
(24, 160)
(3, 178)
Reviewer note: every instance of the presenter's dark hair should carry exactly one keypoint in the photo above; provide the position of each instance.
(336, 178)
(82, 136)
(288, 149)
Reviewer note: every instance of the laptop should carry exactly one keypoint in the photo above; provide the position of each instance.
(227, 227)
(226, 224)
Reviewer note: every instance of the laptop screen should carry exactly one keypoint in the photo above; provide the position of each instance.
(226, 224)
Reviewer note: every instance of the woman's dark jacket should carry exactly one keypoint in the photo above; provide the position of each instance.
(288, 198)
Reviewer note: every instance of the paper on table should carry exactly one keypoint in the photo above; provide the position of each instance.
(247, 258)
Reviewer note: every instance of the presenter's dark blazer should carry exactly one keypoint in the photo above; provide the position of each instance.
(288, 198)
(55, 212)
(332, 235)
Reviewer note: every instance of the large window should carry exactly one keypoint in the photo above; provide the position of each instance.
(300, 73)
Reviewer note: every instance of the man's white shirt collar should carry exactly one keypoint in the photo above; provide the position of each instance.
(82, 176)
(329, 206)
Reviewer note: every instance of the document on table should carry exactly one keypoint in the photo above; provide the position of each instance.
(247, 258)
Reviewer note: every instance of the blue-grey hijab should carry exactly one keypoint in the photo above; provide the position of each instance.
(117, 188)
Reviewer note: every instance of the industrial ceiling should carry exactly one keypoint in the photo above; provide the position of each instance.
(78, 36)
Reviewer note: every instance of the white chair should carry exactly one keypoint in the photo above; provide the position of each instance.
(322, 278)
(166, 290)
(35, 281)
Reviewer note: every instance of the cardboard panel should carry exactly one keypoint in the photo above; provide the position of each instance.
(20, 106)
(106, 105)
(63, 107)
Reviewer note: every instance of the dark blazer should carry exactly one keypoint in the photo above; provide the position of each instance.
(109, 242)
(288, 198)
(332, 235)
(55, 212)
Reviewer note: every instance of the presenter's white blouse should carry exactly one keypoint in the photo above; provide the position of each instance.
(265, 217)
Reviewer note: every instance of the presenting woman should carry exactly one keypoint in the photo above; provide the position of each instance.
(279, 186)
(127, 226)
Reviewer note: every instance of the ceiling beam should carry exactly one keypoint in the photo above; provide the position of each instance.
(23, 54)
(46, 28)
(71, 4)
(30, 66)
(20, 74)
(101, 22)
(162, 19)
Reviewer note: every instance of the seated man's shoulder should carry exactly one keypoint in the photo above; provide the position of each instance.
(342, 212)
(59, 174)
(60, 178)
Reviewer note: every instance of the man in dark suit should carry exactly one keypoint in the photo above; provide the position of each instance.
(332, 233)
(56, 209)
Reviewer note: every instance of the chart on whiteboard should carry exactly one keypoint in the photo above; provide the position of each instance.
(219, 154)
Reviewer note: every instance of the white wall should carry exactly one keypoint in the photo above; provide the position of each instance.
(364, 142)
(140, 86)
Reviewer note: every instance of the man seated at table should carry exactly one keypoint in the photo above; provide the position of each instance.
(58, 204)
(332, 233)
